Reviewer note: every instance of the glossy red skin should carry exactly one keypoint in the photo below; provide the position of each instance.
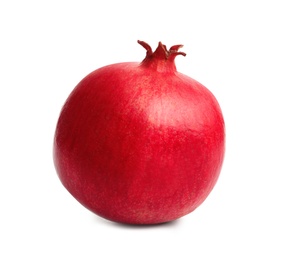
(139, 146)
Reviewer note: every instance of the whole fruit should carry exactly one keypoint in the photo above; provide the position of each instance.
(140, 143)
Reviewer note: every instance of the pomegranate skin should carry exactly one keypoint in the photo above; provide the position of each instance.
(140, 143)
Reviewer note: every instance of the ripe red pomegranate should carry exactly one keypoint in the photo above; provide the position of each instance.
(140, 143)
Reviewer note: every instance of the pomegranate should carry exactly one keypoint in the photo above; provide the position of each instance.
(140, 143)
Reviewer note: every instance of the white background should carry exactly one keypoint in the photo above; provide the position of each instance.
(235, 48)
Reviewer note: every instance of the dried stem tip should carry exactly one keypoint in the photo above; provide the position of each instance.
(154, 59)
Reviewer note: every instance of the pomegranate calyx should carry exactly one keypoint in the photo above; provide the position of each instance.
(161, 59)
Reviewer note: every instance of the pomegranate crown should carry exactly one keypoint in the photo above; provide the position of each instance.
(161, 59)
